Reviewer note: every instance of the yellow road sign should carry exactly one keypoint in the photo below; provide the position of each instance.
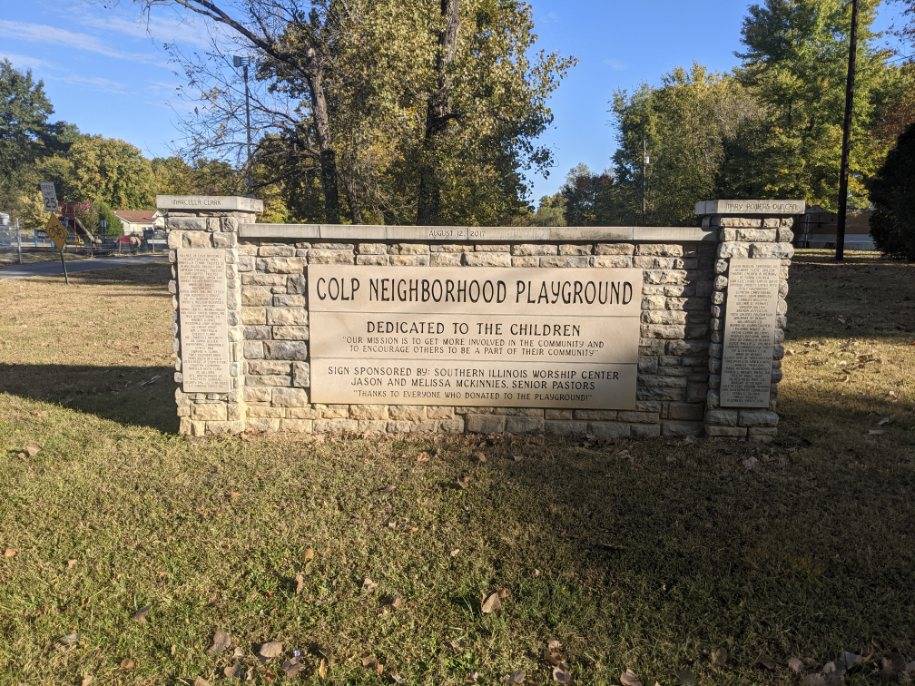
(57, 232)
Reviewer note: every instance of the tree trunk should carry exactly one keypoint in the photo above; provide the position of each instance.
(438, 113)
(349, 187)
(327, 155)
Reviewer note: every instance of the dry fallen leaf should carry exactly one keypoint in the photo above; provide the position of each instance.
(322, 668)
(562, 675)
(493, 603)
(309, 554)
(140, 615)
(127, 664)
(630, 678)
(71, 564)
(234, 671)
(518, 677)
(271, 649)
(796, 665)
(553, 653)
(455, 552)
(69, 639)
(391, 602)
(87, 680)
(371, 662)
(293, 666)
(299, 583)
(200, 681)
(222, 641)
(368, 586)
(463, 482)
(32, 449)
(848, 659)
(10, 552)
(423, 457)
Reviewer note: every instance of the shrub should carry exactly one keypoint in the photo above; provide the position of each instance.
(892, 192)
(115, 227)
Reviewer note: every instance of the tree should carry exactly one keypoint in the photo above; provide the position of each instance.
(683, 128)
(421, 107)
(100, 169)
(907, 32)
(114, 225)
(593, 199)
(550, 211)
(795, 62)
(892, 192)
(25, 133)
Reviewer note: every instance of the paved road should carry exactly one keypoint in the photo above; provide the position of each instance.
(24, 271)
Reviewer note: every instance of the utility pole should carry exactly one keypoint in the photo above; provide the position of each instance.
(846, 134)
(244, 62)
(645, 162)
(18, 241)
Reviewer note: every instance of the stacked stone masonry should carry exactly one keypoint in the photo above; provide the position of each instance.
(680, 347)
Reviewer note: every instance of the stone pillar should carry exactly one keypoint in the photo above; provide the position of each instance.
(208, 335)
(748, 314)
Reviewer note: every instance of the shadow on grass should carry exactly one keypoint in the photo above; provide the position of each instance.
(868, 299)
(151, 276)
(804, 547)
(139, 396)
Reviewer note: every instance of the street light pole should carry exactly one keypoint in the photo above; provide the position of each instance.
(846, 134)
(244, 62)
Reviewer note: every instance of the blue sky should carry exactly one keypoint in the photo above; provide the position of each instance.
(105, 70)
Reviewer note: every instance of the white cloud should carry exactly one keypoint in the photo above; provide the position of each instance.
(96, 83)
(23, 61)
(615, 64)
(44, 33)
(54, 72)
(184, 30)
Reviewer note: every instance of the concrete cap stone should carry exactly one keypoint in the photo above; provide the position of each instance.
(739, 207)
(209, 203)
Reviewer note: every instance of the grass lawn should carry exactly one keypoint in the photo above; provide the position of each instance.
(10, 257)
(127, 548)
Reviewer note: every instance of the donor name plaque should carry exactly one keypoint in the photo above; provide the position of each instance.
(474, 336)
(204, 326)
(749, 332)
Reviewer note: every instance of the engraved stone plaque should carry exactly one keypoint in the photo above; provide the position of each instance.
(749, 332)
(510, 337)
(203, 320)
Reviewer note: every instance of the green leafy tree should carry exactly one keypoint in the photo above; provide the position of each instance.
(550, 211)
(795, 62)
(673, 141)
(594, 199)
(25, 133)
(892, 192)
(100, 169)
(114, 226)
(395, 110)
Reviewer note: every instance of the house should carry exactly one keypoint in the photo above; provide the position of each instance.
(817, 229)
(136, 222)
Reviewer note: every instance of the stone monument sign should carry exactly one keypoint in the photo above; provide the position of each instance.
(611, 332)
(204, 327)
(483, 337)
(749, 332)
